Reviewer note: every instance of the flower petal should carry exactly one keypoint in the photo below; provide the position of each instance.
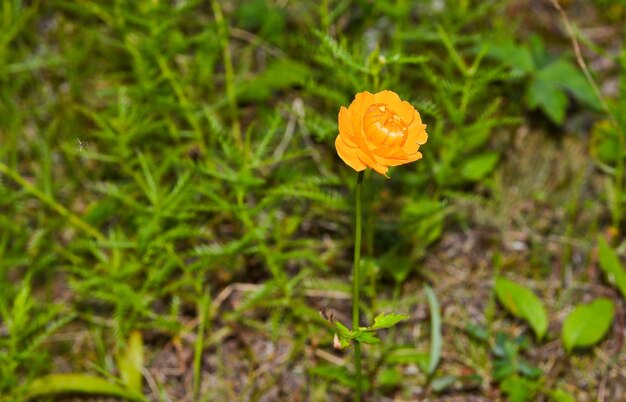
(418, 130)
(345, 128)
(359, 139)
(349, 155)
(389, 98)
(376, 166)
(417, 136)
(406, 111)
(345, 125)
(390, 152)
(398, 162)
(361, 101)
(348, 142)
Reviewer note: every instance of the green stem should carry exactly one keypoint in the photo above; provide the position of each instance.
(356, 283)
(229, 72)
(203, 307)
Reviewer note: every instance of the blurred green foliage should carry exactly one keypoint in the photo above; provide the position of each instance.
(154, 155)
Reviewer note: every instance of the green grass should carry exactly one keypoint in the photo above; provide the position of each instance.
(169, 170)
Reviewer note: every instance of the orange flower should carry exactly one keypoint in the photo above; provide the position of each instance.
(378, 131)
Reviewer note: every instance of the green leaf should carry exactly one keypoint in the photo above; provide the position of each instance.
(130, 362)
(77, 384)
(477, 167)
(587, 324)
(436, 340)
(558, 395)
(343, 342)
(612, 267)
(387, 320)
(549, 98)
(440, 384)
(343, 331)
(519, 389)
(522, 303)
(568, 77)
(366, 337)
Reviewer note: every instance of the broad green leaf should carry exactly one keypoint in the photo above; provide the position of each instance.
(587, 324)
(522, 303)
(612, 267)
(549, 97)
(538, 51)
(55, 384)
(436, 341)
(477, 167)
(130, 362)
(569, 77)
(559, 395)
(387, 320)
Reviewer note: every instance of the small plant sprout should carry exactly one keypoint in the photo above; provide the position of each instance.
(81, 144)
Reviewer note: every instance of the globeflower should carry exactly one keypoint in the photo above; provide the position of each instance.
(379, 130)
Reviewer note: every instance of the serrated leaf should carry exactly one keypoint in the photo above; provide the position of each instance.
(566, 76)
(587, 324)
(339, 342)
(477, 167)
(387, 320)
(55, 384)
(368, 337)
(522, 303)
(343, 331)
(549, 97)
(612, 267)
(436, 340)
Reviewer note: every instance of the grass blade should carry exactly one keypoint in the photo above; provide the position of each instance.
(436, 341)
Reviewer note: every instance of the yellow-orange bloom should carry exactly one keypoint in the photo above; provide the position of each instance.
(379, 130)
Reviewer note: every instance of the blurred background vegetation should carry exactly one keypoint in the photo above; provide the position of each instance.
(173, 214)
